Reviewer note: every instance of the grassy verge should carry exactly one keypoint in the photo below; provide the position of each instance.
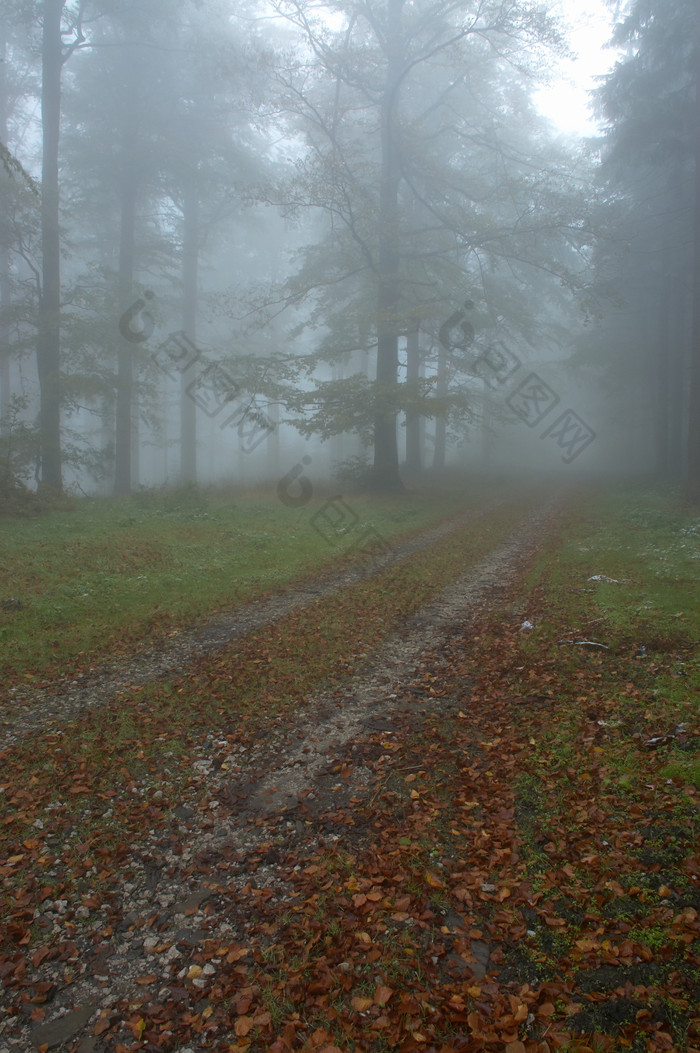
(109, 574)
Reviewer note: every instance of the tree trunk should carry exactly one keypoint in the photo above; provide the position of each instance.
(190, 261)
(5, 284)
(6, 469)
(385, 474)
(127, 253)
(439, 456)
(413, 421)
(662, 385)
(694, 408)
(680, 346)
(49, 340)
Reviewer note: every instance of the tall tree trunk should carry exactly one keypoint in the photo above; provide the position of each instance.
(190, 263)
(680, 346)
(694, 407)
(385, 475)
(5, 283)
(49, 340)
(337, 441)
(127, 253)
(413, 417)
(662, 385)
(6, 471)
(439, 456)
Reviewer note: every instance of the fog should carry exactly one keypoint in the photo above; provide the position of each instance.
(262, 242)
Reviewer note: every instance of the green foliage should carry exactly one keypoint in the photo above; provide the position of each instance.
(19, 451)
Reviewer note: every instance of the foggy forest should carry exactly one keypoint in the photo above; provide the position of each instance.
(236, 234)
(349, 526)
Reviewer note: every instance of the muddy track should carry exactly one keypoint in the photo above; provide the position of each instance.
(192, 883)
(64, 698)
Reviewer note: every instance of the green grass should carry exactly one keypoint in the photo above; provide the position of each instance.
(111, 573)
(649, 620)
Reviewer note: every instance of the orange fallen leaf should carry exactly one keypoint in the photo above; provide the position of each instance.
(382, 995)
(243, 1025)
(39, 956)
(101, 1026)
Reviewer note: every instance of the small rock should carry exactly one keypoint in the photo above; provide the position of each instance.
(56, 1032)
(193, 901)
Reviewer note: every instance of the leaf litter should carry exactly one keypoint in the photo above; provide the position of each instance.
(399, 866)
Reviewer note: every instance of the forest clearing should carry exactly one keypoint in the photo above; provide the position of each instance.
(440, 794)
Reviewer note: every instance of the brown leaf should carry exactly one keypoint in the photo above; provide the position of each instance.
(101, 1026)
(39, 956)
(243, 1025)
(382, 995)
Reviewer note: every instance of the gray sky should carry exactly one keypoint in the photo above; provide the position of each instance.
(589, 24)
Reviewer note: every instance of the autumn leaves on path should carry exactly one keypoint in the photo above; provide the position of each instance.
(386, 846)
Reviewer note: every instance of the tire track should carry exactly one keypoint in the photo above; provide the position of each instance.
(65, 698)
(238, 827)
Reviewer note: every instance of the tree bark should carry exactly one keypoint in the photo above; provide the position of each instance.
(678, 408)
(662, 386)
(385, 475)
(49, 340)
(413, 417)
(5, 284)
(440, 453)
(127, 254)
(190, 262)
(694, 406)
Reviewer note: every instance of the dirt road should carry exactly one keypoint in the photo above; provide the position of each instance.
(226, 849)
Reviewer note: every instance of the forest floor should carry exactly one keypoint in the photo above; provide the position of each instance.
(444, 798)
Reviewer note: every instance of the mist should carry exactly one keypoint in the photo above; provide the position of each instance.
(241, 239)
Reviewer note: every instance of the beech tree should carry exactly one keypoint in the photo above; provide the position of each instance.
(424, 154)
